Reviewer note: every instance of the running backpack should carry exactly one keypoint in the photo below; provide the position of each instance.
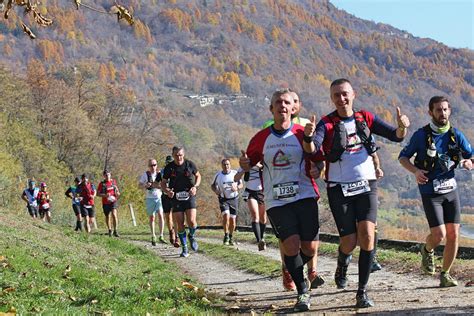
(335, 142)
(188, 173)
(104, 186)
(454, 151)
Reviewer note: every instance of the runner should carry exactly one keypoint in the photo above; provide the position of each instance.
(44, 203)
(227, 191)
(290, 192)
(168, 209)
(184, 179)
(108, 190)
(29, 195)
(76, 203)
(345, 137)
(150, 182)
(253, 195)
(315, 279)
(439, 149)
(86, 192)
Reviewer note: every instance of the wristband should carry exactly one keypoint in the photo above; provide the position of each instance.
(308, 139)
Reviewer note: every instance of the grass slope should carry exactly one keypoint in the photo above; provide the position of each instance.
(50, 269)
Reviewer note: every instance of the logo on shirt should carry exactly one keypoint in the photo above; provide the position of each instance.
(354, 143)
(281, 159)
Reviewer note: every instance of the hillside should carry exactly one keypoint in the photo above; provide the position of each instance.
(90, 91)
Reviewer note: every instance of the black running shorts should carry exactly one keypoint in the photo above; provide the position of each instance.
(442, 208)
(255, 195)
(167, 203)
(348, 211)
(108, 208)
(33, 210)
(229, 206)
(182, 206)
(87, 211)
(296, 218)
(76, 209)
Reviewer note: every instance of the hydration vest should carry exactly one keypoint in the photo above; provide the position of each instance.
(188, 174)
(335, 142)
(104, 186)
(454, 151)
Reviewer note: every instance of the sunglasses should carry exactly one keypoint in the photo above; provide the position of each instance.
(154, 165)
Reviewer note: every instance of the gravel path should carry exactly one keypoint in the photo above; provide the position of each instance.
(392, 292)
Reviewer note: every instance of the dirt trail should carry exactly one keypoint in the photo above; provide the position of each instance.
(392, 292)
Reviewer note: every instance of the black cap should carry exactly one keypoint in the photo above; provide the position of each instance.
(84, 176)
(76, 179)
(106, 171)
(168, 159)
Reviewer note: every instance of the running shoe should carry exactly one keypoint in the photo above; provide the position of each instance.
(162, 240)
(231, 242)
(184, 253)
(226, 240)
(315, 279)
(153, 241)
(362, 300)
(116, 234)
(288, 282)
(262, 245)
(446, 280)
(194, 244)
(427, 260)
(302, 303)
(375, 266)
(340, 277)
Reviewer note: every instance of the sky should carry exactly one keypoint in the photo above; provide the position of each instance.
(450, 22)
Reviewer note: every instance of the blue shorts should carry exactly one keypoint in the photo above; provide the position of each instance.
(153, 206)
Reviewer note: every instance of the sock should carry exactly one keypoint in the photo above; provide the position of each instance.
(365, 263)
(305, 258)
(230, 236)
(192, 231)
(226, 234)
(376, 240)
(79, 223)
(295, 265)
(182, 238)
(256, 231)
(343, 259)
(262, 230)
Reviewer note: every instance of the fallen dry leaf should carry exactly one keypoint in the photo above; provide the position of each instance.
(8, 289)
(205, 300)
(72, 298)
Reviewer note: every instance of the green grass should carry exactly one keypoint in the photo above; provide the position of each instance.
(52, 270)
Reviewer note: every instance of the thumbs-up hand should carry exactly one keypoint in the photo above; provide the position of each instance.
(310, 127)
(244, 161)
(402, 119)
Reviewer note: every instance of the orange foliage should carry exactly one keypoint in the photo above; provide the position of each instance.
(177, 17)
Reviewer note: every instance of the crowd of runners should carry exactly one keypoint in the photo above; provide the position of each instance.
(278, 170)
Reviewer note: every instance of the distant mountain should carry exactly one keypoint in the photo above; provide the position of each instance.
(151, 79)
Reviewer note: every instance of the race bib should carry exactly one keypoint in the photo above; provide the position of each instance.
(285, 191)
(355, 188)
(45, 206)
(182, 196)
(111, 199)
(443, 186)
